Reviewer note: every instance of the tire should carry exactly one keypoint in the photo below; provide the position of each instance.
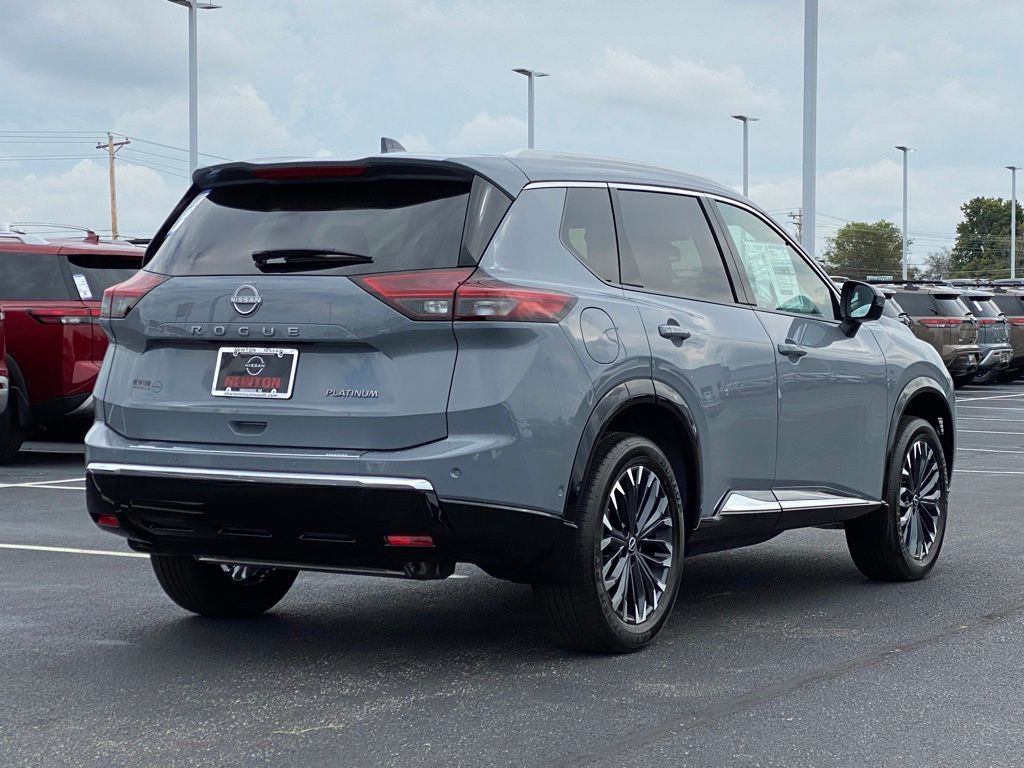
(209, 590)
(988, 376)
(880, 549)
(11, 437)
(962, 381)
(586, 614)
(1011, 375)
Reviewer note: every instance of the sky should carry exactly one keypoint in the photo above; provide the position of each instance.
(647, 80)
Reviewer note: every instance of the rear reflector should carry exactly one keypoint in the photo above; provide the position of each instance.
(65, 316)
(108, 521)
(309, 171)
(405, 540)
(120, 299)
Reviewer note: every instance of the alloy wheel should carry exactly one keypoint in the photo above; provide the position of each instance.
(921, 502)
(637, 544)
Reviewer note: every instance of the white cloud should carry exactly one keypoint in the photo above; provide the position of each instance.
(681, 88)
(490, 134)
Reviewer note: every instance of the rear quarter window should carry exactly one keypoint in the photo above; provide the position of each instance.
(1011, 306)
(92, 274)
(32, 277)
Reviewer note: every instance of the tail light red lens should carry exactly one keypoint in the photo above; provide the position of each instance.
(484, 298)
(988, 321)
(423, 295)
(406, 540)
(120, 299)
(64, 316)
(1016, 320)
(450, 294)
(108, 521)
(941, 322)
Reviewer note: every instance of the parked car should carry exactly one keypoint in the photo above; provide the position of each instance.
(1010, 302)
(50, 292)
(940, 317)
(993, 335)
(571, 372)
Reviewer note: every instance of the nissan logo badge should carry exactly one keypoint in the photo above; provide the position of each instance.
(246, 299)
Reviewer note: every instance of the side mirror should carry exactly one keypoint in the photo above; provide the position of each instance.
(858, 304)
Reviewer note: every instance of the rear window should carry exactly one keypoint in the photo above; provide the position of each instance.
(1011, 306)
(983, 307)
(952, 306)
(916, 304)
(892, 307)
(31, 277)
(92, 274)
(406, 224)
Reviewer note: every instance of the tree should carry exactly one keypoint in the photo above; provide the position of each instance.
(982, 247)
(860, 249)
(936, 265)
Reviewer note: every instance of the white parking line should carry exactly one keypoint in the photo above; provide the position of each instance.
(992, 397)
(987, 450)
(983, 432)
(43, 483)
(989, 408)
(986, 418)
(72, 550)
(987, 472)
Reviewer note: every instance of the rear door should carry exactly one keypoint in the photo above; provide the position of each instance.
(706, 348)
(351, 278)
(833, 399)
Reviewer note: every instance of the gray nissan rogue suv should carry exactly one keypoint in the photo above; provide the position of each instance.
(570, 372)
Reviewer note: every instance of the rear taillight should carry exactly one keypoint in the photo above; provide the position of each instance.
(941, 322)
(1016, 320)
(484, 298)
(120, 299)
(64, 316)
(988, 321)
(450, 294)
(424, 295)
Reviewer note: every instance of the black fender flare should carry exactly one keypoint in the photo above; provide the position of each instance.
(913, 388)
(613, 402)
(19, 401)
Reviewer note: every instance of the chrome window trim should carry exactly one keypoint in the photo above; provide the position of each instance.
(566, 184)
(279, 478)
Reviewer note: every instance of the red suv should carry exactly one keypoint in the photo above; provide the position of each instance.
(50, 291)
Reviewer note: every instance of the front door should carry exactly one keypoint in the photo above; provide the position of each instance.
(833, 400)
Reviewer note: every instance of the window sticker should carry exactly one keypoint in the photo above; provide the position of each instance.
(84, 291)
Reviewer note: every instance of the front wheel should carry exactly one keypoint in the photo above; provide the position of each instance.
(628, 559)
(221, 591)
(901, 541)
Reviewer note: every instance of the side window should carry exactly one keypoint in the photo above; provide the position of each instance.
(666, 246)
(587, 230)
(779, 276)
(31, 277)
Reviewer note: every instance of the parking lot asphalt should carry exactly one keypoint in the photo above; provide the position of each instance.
(776, 655)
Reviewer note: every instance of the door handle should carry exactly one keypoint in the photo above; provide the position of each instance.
(670, 331)
(791, 350)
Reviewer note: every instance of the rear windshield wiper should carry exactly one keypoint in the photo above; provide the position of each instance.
(301, 259)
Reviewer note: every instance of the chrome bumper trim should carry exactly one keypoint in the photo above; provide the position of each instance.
(277, 478)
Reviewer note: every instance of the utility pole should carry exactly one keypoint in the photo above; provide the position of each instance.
(906, 152)
(810, 123)
(112, 146)
(796, 217)
(1013, 219)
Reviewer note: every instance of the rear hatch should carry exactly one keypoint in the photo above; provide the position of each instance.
(993, 327)
(313, 288)
(1012, 306)
(91, 273)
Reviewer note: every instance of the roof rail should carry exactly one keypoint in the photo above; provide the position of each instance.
(7, 233)
(909, 282)
(90, 236)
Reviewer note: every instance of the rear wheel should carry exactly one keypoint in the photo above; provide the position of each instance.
(1012, 374)
(901, 541)
(629, 551)
(987, 376)
(11, 437)
(224, 591)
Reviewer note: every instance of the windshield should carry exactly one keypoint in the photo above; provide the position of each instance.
(400, 225)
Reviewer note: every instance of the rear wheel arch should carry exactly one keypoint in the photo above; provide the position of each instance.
(649, 409)
(923, 398)
(19, 401)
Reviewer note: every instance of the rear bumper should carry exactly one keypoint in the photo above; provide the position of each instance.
(964, 363)
(996, 356)
(321, 521)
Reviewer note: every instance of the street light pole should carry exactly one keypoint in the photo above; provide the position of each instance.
(746, 120)
(194, 6)
(1013, 219)
(810, 123)
(531, 75)
(906, 152)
